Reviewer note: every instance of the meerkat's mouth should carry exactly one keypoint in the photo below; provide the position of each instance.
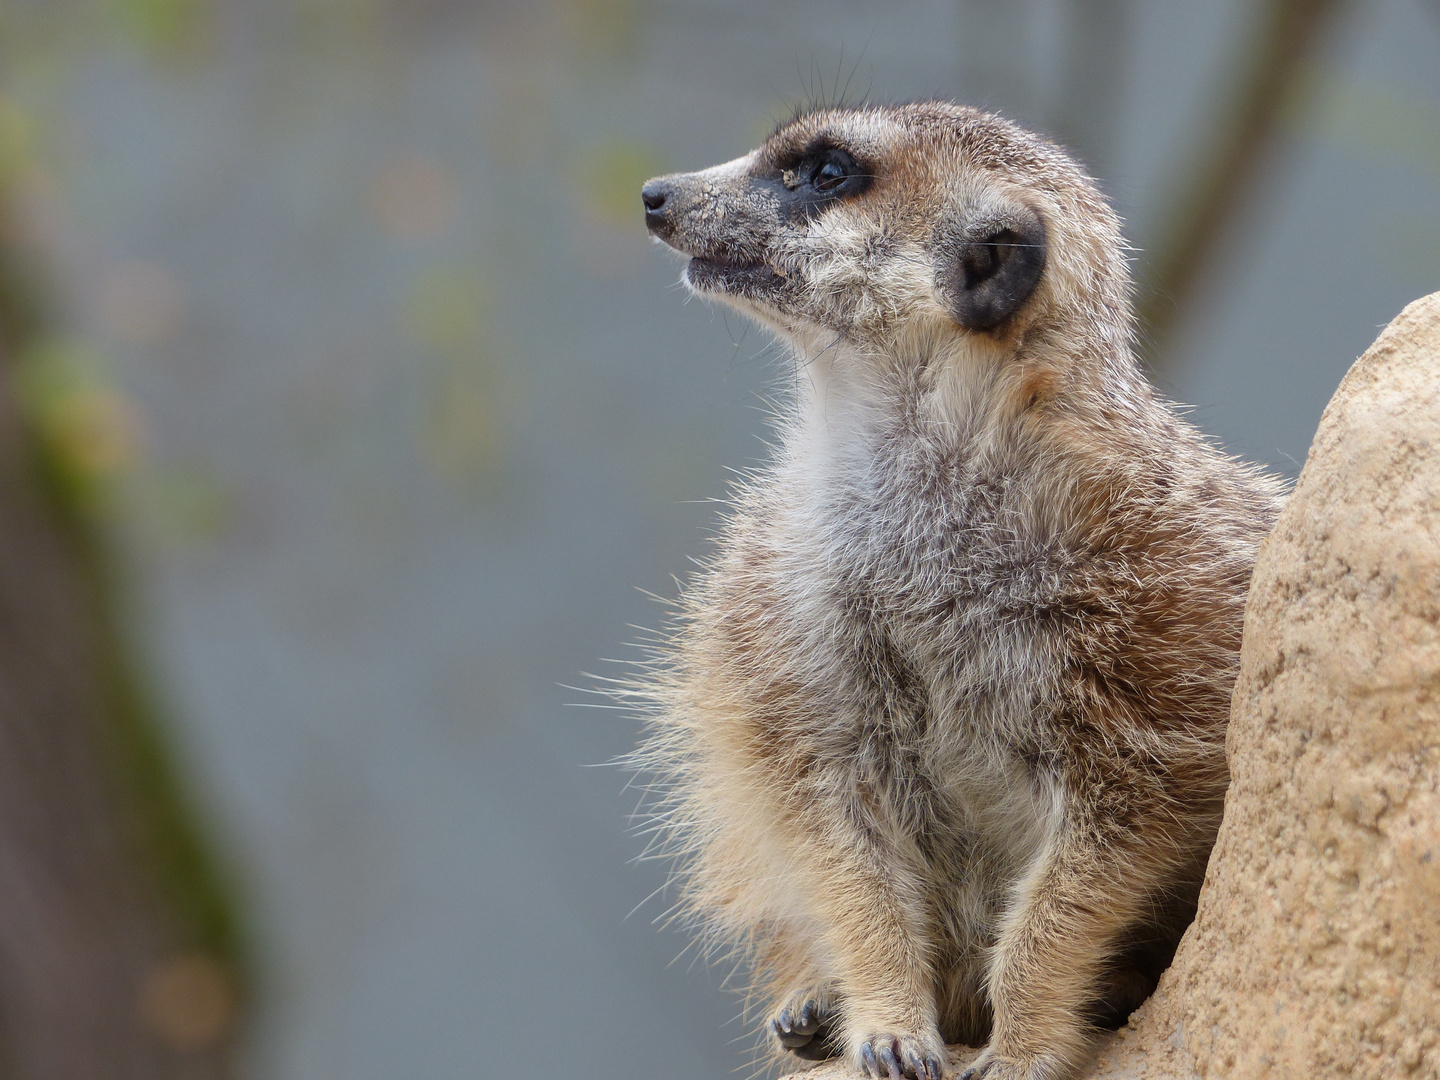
(731, 275)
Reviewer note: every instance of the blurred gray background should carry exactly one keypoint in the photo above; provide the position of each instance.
(400, 415)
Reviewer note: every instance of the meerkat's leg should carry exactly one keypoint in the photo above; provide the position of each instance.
(874, 907)
(1049, 964)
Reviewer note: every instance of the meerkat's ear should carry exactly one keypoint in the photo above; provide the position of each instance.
(988, 266)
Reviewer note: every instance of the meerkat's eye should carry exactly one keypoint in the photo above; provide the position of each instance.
(831, 172)
(834, 172)
(819, 176)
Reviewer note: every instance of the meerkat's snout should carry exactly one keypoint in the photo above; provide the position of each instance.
(726, 220)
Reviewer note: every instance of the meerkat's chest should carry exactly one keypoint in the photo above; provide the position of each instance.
(952, 568)
(918, 593)
(942, 542)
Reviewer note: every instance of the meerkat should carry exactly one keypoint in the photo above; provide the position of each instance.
(939, 729)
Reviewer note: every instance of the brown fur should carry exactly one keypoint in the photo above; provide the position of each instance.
(939, 733)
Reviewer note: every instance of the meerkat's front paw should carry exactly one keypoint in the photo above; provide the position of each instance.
(806, 1024)
(897, 1056)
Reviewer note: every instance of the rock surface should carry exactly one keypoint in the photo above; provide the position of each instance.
(1316, 949)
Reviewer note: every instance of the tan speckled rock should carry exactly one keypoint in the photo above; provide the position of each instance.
(1316, 950)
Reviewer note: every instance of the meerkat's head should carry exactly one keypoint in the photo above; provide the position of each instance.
(901, 228)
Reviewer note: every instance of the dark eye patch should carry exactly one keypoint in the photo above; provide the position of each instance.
(818, 174)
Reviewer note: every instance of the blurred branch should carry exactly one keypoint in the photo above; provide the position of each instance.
(1268, 86)
(117, 945)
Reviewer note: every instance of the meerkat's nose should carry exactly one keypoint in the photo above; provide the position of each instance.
(655, 195)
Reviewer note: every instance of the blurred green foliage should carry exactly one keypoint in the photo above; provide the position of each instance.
(15, 142)
(164, 28)
(1383, 123)
(89, 429)
(611, 173)
(445, 309)
(187, 505)
(607, 28)
(469, 394)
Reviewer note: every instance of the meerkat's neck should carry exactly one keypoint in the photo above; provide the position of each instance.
(852, 399)
(917, 413)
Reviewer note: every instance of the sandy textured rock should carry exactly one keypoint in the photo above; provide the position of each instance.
(1316, 950)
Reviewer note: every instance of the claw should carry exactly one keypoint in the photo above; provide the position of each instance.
(892, 1065)
(933, 1069)
(807, 1017)
(867, 1057)
(785, 1020)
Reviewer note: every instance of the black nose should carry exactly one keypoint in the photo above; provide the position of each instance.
(658, 203)
(654, 194)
